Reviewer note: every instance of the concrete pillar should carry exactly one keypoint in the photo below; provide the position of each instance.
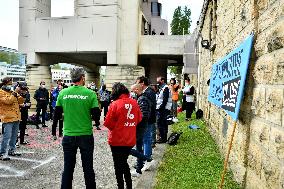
(93, 77)
(28, 12)
(157, 68)
(125, 74)
(34, 75)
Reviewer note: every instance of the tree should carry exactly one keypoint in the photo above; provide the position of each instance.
(4, 57)
(180, 25)
(10, 58)
(56, 67)
(181, 21)
(176, 71)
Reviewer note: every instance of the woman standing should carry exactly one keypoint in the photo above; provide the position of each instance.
(10, 116)
(188, 92)
(122, 118)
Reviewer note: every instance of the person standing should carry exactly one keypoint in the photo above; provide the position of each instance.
(10, 116)
(54, 96)
(122, 119)
(104, 99)
(149, 139)
(42, 98)
(164, 106)
(188, 92)
(145, 107)
(80, 106)
(174, 90)
(24, 108)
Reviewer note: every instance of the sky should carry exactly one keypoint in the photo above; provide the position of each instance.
(9, 15)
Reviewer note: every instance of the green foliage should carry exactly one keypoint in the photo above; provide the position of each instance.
(10, 58)
(195, 162)
(176, 71)
(56, 67)
(181, 21)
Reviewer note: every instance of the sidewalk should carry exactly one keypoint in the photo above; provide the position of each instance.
(148, 178)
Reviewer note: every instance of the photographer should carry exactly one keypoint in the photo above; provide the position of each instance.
(24, 108)
(10, 116)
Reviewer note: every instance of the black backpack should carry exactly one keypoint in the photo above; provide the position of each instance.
(173, 138)
(199, 114)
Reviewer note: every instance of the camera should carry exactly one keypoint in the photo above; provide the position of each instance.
(23, 88)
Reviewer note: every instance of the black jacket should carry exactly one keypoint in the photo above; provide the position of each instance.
(151, 95)
(41, 94)
(24, 110)
(145, 105)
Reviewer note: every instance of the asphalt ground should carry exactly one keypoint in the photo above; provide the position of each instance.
(41, 163)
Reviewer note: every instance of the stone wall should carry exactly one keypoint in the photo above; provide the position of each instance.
(125, 74)
(257, 157)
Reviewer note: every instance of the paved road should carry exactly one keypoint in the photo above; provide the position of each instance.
(41, 163)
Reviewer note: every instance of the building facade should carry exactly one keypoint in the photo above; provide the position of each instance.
(16, 72)
(101, 33)
(257, 157)
(58, 74)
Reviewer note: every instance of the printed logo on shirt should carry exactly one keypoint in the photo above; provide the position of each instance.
(129, 115)
(79, 97)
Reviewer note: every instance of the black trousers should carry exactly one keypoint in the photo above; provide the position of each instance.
(162, 124)
(104, 105)
(190, 106)
(54, 125)
(86, 145)
(38, 110)
(120, 155)
(22, 127)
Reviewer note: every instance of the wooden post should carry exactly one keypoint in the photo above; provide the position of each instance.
(227, 157)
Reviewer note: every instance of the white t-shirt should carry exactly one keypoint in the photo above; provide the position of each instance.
(186, 89)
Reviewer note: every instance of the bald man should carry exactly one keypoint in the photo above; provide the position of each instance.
(145, 106)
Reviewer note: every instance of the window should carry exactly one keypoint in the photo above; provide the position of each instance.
(156, 9)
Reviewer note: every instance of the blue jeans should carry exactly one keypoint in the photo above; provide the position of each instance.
(139, 147)
(147, 140)
(10, 134)
(86, 145)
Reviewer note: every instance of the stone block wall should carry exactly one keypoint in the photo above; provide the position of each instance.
(257, 156)
(126, 74)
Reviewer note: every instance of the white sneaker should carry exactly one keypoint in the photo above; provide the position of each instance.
(148, 165)
(175, 120)
(135, 174)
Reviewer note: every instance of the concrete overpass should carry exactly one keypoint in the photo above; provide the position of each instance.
(101, 33)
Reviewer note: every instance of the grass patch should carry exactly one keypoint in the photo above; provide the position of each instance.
(195, 162)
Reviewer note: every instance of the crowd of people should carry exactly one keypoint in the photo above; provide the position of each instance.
(135, 118)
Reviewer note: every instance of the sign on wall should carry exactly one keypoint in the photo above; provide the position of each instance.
(228, 78)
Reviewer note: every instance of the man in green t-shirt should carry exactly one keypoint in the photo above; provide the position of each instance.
(80, 106)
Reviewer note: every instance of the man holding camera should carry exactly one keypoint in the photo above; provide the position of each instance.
(10, 116)
(24, 108)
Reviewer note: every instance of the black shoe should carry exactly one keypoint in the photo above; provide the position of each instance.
(98, 128)
(4, 158)
(14, 154)
(43, 125)
(37, 127)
